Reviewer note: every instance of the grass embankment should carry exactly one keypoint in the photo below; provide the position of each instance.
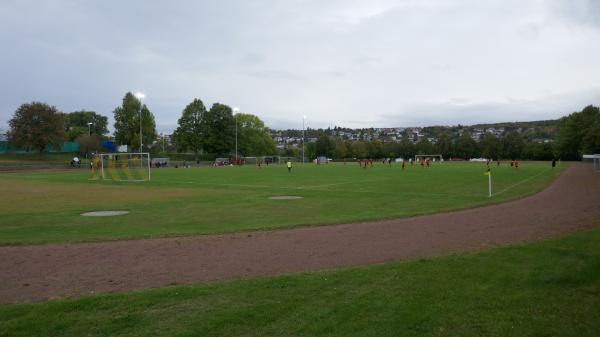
(45, 207)
(548, 288)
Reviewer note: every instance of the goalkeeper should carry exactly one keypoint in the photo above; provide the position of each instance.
(289, 165)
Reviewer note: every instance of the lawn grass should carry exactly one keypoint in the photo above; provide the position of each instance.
(45, 207)
(549, 288)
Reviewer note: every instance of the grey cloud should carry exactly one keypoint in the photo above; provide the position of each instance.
(349, 62)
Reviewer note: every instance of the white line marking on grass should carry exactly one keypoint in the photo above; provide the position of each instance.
(519, 183)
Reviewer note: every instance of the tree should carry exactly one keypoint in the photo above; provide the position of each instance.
(466, 147)
(512, 145)
(89, 143)
(424, 146)
(189, 135)
(577, 133)
(407, 148)
(591, 141)
(443, 145)
(374, 149)
(219, 129)
(339, 151)
(77, 124)
(324, 146)
(491, 146)
(391, 149)
(310, 151)
(253, 136)
(37, 126)
(359, 150)
(127, 123)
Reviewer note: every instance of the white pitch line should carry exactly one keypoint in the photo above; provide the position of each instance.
(520, 182)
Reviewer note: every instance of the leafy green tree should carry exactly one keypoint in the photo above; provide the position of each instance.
(491, 146)
(359, 149)
(443, 145)
(537, 151)
(291, 152)
(578, 133)
(391, 149)
(127, 123)
(253, 136)
(512, 145)
(466, 147)
(407, 148)
(77, 124)
(189, 135)
(310, 151)
(219, 130)
(374, 149)
(339, 151)
(37, 126)
(325, 146)
(89, 143)
(424, 146)
(591, 141)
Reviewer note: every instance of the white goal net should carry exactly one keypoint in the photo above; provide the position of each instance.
(121, 166)
(432, 157)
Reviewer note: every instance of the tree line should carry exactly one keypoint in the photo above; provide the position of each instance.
(213, 132)
(578, 133)
(39, 126)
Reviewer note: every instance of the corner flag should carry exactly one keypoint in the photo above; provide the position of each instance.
(489, 174)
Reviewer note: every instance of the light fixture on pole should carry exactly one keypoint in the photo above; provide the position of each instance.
(140, 96)
(236, 111)
(303, 118)
(90, 128)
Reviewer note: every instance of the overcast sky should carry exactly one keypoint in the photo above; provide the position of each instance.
(341, 62)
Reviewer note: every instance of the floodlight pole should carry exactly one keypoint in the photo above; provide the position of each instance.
(140, 96)
(236, 143)
(141, 108)
(89, 128)
(236, 110)
(303, 118)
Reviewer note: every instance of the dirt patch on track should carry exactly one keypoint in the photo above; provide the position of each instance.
(35, 273)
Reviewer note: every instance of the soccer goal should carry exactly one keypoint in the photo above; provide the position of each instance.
(433, 157)
(597, 163)
(271, 160)
(121, 166)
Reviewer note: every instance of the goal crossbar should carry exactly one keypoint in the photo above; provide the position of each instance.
(429, 156)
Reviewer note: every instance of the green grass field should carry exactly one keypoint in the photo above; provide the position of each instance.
(547, 288)
(46, 207)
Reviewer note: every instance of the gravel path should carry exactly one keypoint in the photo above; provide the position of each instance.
(36, 273)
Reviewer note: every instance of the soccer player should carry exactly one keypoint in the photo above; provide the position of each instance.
(403, 164)
(289, 165)
(517, 164)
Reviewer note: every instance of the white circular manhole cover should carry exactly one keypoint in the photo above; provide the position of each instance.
(105, 213)
(285, 197)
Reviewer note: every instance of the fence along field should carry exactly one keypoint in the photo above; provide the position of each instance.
(46, 207)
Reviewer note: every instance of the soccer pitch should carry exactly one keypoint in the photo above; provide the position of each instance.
(46, 207)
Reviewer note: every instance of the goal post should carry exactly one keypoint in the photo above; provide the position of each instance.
(125, 166)
(433, 157)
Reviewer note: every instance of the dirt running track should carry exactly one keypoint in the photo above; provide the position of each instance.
(35, 273)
